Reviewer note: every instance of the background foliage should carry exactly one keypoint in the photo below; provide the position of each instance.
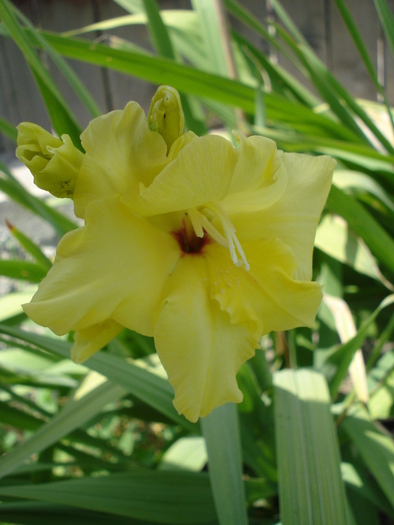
(311, 443)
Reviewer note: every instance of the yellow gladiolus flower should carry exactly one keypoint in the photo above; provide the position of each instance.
(54, 163)
(202, 245)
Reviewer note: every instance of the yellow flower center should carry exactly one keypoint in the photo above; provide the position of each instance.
(201, 219)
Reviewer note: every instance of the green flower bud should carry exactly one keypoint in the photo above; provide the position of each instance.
(165, 114)
(54, 163)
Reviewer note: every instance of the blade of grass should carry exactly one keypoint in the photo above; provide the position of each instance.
(157, 30)
(221, 432)
(61, 115)
(74, 414)
(336, 363)
(334, 238)
(11, 187)
(303, 51)
(363, 52)
(215, 36)
(362, 184)
(30, 247)
(299, 138)
(311, 490)
(23, 270)
(387, 20)
(193, 81)
(65, 69)
(362, 484)
(143, 384)
(132, 6)
(38, 513)
(189, 80)
(8, 129)
(158, 496)
(324, 81)
(375, 447)
(346, 329)
(285, 81)
(333, 92)
(23, 420)
(364, 224)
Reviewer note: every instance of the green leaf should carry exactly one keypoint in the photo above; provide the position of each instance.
(18, 418)
(142, 383)
(163, 497)
(311, 490)
(328, 86)
(258, 489)
(23, 270)
(381, 383)
(157, 30)
(192, 81)
(334, 238)
(212, 31)
(187, 453)
(74, 414)
(364, 224)
(10, 304)
(336, 362)
(61, 115)
(37, 513)
(11, 187)
(158, 70)
(360, 184)
(8, 129)
(340, 101)
(375, 447)
(282, 81)
(358, 41)
(64, 68)
(365, 487)
(30, 247)
(387, 20)
(363, 52)
(221, 432)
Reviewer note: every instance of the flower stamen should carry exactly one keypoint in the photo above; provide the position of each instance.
(195, 220)
(200, 222)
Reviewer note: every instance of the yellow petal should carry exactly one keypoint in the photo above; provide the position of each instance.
(294, 217)
(199, 347)
(121, 152)
(267, 297)
(90, 340)
(260, 177)
(113, 268)
(201, 173)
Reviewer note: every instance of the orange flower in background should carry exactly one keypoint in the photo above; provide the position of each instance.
(200, 244)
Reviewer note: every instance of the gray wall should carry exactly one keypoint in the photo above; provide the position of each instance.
(318, 20)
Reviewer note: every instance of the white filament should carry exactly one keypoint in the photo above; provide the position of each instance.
(200, 222)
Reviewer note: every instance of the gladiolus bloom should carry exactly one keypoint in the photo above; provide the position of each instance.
(200, 244)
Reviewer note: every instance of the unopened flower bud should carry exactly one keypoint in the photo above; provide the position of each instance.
(165, 114)
(53, 162)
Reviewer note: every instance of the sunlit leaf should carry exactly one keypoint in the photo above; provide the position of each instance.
(310, 486)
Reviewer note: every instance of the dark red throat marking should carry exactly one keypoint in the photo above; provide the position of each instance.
(188, 240)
